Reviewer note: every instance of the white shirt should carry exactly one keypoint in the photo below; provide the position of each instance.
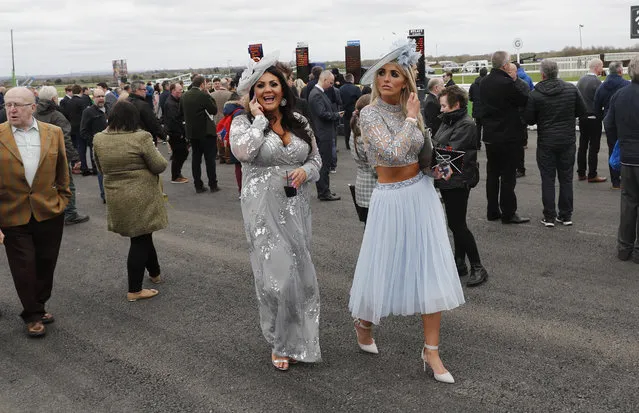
(319, 87)
(28, 142)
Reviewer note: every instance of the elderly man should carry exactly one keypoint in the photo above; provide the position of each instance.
(48, 111)
(622, 123)
(174, 124)
(553, 106)
(604, 93)
(432, 109)
(35, 178)
(198, 108)
(148, 121)
(324, 119)
(501, 101)
(589, 125)
(93, 121)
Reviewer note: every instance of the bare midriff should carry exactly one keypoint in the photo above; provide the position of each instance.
(391, 174)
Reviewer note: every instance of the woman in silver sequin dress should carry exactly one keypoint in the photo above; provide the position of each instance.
(272, 142)
(405, 265)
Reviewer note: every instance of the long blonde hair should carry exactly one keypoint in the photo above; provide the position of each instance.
(411, 86)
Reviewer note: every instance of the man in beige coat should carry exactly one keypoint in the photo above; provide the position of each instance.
(34, 191)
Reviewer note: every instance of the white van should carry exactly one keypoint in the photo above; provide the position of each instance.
(474, 66)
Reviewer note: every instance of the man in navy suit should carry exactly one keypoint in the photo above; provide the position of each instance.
(350, 93)
(324, 119)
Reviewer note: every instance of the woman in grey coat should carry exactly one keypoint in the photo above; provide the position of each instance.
(458, 132)
(131, 166)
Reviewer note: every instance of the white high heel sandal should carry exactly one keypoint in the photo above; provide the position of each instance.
(369, 348)
(444, 378)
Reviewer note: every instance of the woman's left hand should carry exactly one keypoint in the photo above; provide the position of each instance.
(297, 177)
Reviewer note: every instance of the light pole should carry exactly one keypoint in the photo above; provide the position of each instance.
(13, 63)
(581, 45)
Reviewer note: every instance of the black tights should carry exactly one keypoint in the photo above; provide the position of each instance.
(141, 255)
(456, 204)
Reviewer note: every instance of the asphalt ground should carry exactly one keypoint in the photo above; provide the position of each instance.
(556, 327)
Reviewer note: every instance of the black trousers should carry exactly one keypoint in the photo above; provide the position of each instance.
(456, 204)
(32, 252)
(325, 148)
(521, 165)
(615, 177)
(556, 163)
(142, 255)
(83, 145)
(206, 147)
(180, 151)
(347, 129)
(502, 160)
(480, 127)
(589, 143)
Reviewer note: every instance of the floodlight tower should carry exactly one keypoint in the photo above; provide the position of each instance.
(581, 45)
(13, 63)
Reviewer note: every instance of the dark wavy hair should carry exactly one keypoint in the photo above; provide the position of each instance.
(455, 95)
(124, 117)
(289, 122)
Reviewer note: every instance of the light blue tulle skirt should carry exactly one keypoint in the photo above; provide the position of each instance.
(406, 264)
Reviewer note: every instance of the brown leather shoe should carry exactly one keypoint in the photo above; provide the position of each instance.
(597, 179)
(35, 329)
(582, 177)
(47, 318)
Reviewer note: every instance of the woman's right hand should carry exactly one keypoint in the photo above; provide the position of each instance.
(256, 108)
(412, 106)
(1, 237)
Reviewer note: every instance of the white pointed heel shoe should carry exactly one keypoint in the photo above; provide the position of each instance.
(369, 348)
(444, 378)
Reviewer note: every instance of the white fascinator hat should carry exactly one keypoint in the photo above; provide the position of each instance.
(404, 53)
(254, 71)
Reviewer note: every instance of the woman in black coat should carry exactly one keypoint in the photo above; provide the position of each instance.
(458, 132)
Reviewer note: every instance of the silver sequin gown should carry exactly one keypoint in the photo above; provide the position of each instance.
(278, 230)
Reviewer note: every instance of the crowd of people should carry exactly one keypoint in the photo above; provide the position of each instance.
(281, 136)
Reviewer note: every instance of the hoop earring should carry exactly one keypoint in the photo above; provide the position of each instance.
(283, 102)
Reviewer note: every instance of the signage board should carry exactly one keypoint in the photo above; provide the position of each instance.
(353, 61)
(418, 36)
(634, 22)
(302, 62)
(255, 51)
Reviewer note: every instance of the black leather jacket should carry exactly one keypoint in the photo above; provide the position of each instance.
(458, 131)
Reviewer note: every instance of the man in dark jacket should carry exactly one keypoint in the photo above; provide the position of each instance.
(174, 124)
(93, 121)
(349, 93)
(324, 118)
(148, 121)
(623, 123)
(553, 106)
(68, 94)
(589, 124)
(604, 93)
(73, 110)
(447, 77)
(166, 92)
(198, 108)
(432, 109)
(475, 97)
(306, 91)
(501, 101)
(48, 111)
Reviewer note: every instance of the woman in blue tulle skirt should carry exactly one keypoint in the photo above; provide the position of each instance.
(406, 265)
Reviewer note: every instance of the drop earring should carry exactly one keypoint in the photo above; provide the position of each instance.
(283, 102)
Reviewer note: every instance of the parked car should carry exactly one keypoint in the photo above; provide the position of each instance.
(449, 65)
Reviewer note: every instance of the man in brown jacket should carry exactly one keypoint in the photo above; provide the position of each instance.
(34, 190)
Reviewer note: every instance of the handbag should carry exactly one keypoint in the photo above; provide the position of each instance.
(615, 158)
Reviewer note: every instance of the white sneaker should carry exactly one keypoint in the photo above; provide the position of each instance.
(564, 222)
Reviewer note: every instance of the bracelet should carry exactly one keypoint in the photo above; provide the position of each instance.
(412, 120)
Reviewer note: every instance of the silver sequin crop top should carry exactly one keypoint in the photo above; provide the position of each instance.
(390, 140)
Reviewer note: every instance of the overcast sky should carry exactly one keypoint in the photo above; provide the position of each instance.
(62, 36)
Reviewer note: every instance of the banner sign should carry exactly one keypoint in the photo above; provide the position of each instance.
(301, 61)
(418, 36)
(353, 59)
(634, 22)
(255, 51)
